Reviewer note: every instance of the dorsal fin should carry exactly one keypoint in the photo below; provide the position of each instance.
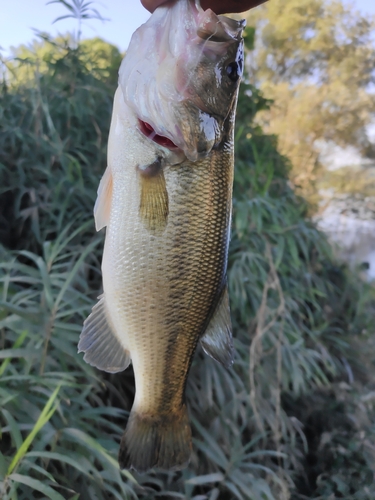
(103, 202)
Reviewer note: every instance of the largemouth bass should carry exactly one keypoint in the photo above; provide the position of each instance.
(165, 200)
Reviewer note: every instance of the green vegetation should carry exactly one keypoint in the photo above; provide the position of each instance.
(350, 181)
(287, 421)
(315, 59)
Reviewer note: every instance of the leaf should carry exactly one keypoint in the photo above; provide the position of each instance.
(94, 446)
(249, 37)
(36, 485)
(60, 18)
(233, 488)
(28, 313)
(16, 344)
(207, 478)
(29, 465)
(3, 466)
(73, 272)
(49, 455)
(44, 417)
(14, 428)
(18, 353)
(210, 447)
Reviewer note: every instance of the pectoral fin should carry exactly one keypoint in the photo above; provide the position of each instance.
(217, 340)
(100, 344)
(102, 207)
(153, 206)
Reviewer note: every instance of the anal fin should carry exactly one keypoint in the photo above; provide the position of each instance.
(217, 340)
(99, 342)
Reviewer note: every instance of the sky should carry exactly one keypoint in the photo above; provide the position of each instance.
(18, 18)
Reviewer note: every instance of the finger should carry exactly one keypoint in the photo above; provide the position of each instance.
(151, 5)
(227, 6)
(218, 6)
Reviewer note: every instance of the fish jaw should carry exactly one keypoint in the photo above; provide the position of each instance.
(182, 90)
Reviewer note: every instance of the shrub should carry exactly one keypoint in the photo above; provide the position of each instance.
(293, 310)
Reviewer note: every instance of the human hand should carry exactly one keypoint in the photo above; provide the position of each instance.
(218, 6)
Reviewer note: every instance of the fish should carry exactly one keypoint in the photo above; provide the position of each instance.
(166, 202)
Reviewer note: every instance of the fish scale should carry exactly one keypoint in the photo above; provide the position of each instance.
(181, 300)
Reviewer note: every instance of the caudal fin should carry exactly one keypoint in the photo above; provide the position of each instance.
(162, 441)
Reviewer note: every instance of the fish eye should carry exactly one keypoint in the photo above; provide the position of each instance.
(234, 71)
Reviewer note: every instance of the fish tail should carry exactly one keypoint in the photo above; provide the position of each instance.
(162, 441)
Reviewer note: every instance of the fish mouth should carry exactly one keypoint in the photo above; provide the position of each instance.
(148, 131)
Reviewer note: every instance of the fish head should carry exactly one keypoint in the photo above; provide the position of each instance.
(207, 76)
(180, 77)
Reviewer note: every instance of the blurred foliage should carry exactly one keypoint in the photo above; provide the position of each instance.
(315, 59)
(350, 180)
(99, 58)
(296, 316)
(81, 11)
